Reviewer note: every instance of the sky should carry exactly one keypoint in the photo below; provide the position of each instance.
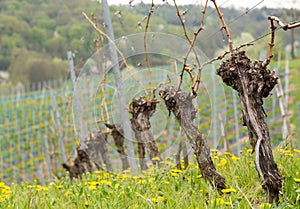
(225, 3)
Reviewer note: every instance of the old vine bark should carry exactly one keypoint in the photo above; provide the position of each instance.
(88, 159)
(253, 81)
(141, 111)
(117, 133)
(181, 105)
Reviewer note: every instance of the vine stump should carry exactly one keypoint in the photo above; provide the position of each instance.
(253, 81)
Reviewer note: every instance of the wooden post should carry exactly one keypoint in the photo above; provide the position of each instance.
(59, 129)
(121, 95)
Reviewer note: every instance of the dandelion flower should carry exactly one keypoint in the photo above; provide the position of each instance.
(225, 191)
(297, 180)
(265, 205)
(153, 199)
(222, 162)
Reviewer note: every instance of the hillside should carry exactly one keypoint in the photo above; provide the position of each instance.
(39, 33)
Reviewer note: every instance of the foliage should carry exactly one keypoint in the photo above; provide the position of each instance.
(165, 187)
(53, 27)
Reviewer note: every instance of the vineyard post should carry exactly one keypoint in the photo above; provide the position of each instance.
(236, 122)
(59, 129)
(299, 120)
(48, 159)
(118, 81)
(214, 110)
(78, 120)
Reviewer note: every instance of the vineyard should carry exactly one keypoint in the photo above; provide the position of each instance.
(31, 148)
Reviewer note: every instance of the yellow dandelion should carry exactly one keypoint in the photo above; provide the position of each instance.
(296, 150)
(174, 174)
(175, 171)
(108, 183)
(155, 159)
(92, 187)
(220, 201)
(153, 199)
(234, 158)
(265, 205)
(142, 181)
(288, 154)
(93, 183)
(127, 171)
(297, 180)
(117, 186)
(222, 162)
(41, 188)
(226, 191)
(59, 187)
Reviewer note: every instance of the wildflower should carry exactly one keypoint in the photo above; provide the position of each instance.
(288, 154)
(127, 171)
(142, 181)
(59, 187)
(93, 183)
(167, 182)
(153, 199)
(265, 205)
(234, 158)
(117, 186)
(67, 193)
(297, 180)
(237, 177)
(225, 191)
(174, 174)
(151, 179)
(249, 150)
(41, 188)
(220, 201)
(296, 150)
(175, 171)
(108, 183)
(92, 187)
(155, 159)
(227, 153)
(222, 162)
(86, 203)
(199, 176)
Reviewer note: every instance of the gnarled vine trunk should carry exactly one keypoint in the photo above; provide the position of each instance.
(141, 111)
(253, 81)
(117, 133)
(181, 105)
(88, 159)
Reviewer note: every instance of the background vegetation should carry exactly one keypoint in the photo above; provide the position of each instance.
(36, 34)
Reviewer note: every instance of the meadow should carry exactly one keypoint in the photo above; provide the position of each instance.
(164, 187)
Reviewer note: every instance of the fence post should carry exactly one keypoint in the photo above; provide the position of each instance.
(78, 119)
(236, 123)
(299, 120)
(118, 80)
(48, 159)
(214, 108)
(59, 129)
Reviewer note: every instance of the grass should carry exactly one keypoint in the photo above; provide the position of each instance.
(166, 187)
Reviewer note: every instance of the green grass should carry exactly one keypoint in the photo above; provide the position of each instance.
(166, 187)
